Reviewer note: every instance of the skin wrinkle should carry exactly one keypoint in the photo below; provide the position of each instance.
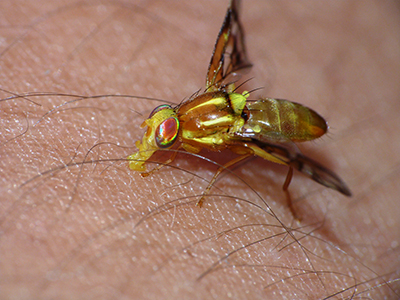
(101, 231)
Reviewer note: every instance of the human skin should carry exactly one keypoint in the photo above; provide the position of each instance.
(79, 231)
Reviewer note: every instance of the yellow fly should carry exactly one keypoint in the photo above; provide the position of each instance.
(220, 118)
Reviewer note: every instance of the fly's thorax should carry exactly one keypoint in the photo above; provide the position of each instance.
(209, 119)
(284, 119)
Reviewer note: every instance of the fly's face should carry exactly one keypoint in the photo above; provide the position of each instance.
(162, 132)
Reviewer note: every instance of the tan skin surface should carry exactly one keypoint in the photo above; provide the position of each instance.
(74, 233)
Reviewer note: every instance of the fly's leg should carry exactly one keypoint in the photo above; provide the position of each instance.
(278, 155)
(224, 167)
(170, 160)
(285, 188)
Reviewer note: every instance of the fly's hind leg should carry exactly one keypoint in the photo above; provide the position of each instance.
(285, 188)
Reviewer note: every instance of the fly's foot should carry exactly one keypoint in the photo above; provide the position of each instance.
(200, 202)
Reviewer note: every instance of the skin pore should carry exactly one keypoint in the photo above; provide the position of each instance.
(73, 230)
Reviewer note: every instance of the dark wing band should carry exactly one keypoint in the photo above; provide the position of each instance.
(230, 42)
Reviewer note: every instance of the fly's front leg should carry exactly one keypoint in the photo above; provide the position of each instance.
(170, 160)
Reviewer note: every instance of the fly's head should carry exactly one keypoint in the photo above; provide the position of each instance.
(162, 132)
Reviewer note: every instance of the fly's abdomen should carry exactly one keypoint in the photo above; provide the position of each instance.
(276, 118)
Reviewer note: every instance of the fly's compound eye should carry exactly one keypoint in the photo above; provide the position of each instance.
(167, 132)
(158, 108)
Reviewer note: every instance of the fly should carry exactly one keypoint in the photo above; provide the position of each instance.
(220, 119)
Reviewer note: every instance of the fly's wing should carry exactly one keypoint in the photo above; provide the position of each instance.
(289, 154)
(230, 43)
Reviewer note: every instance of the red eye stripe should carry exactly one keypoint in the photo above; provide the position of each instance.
(167, 132)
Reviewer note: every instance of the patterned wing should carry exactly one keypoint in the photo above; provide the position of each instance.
(230, 43)
(284, 151)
